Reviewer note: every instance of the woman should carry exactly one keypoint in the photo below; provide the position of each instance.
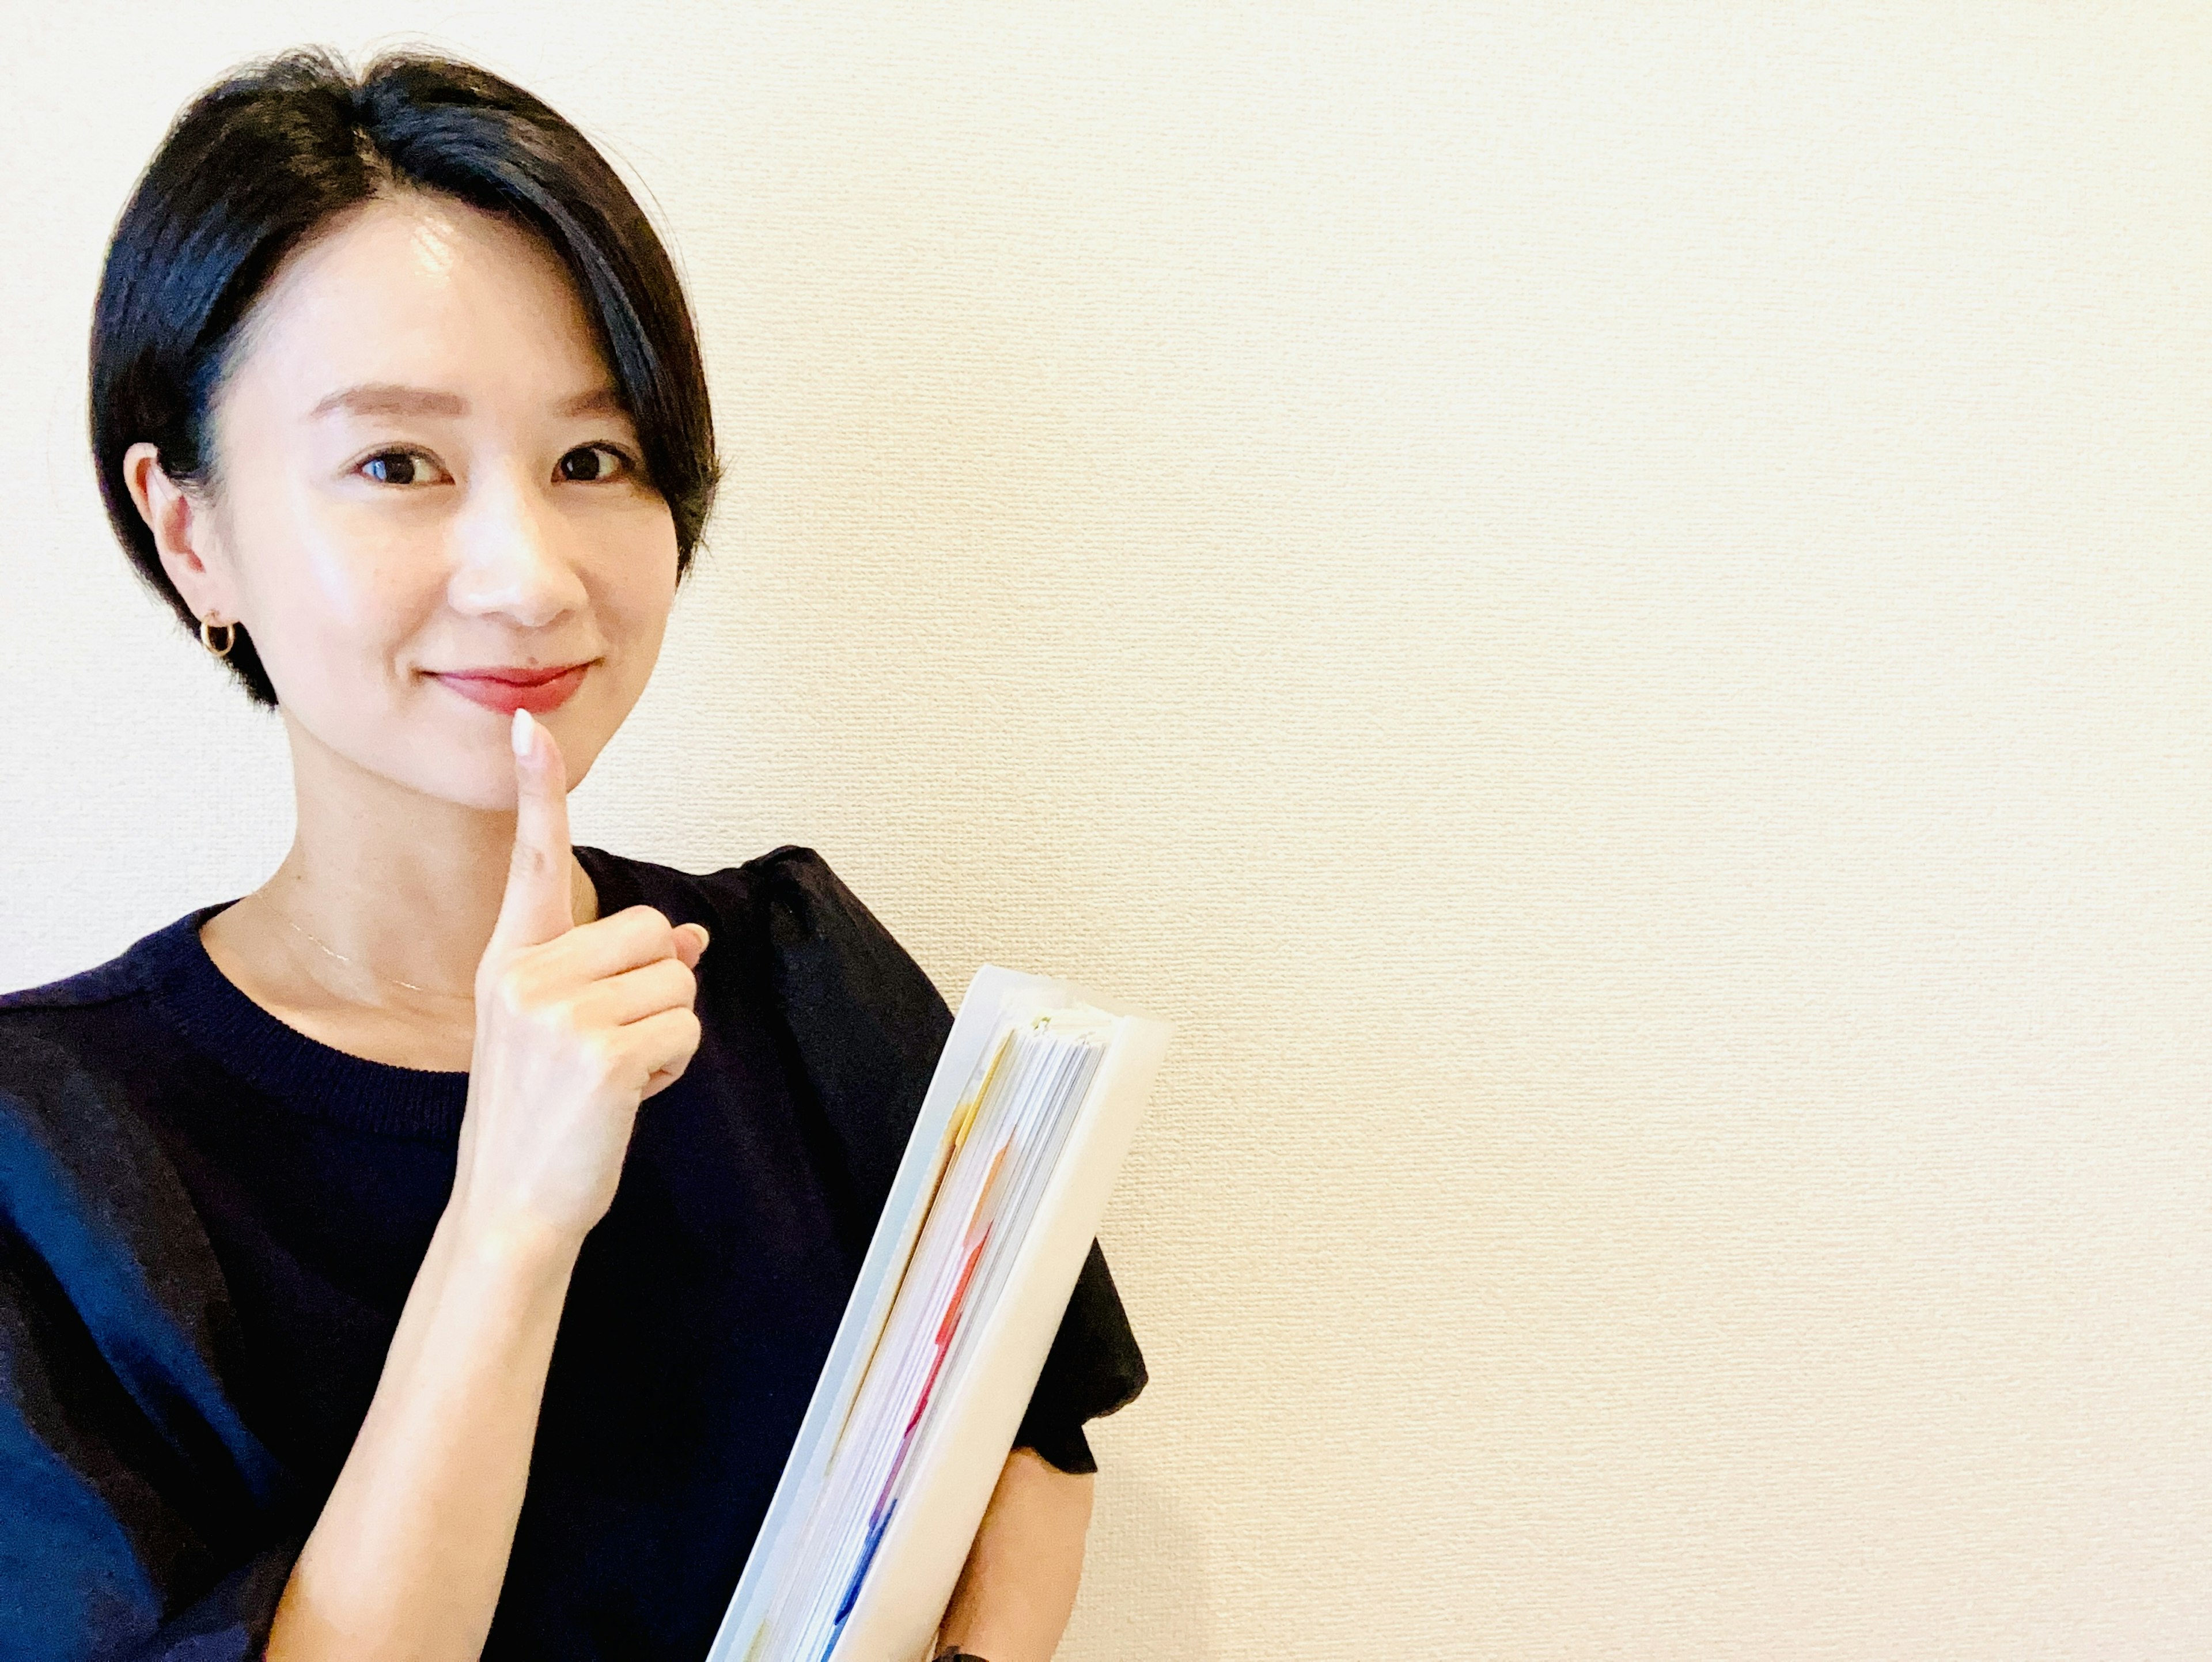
(350, 1304)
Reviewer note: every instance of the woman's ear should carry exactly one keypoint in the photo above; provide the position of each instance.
(184, 535)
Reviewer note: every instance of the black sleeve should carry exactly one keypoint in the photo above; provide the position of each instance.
(1094, 1367)
(864, 1026)
(130, 1516)
(93, 1550)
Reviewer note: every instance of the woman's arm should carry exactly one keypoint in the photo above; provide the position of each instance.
(575, 1026)
(1012, 1600)
(411, 1547)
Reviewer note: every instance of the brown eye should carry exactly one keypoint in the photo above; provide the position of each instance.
(393, 468)
(588, 464)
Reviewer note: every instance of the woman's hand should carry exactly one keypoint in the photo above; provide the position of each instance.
(576, 1026)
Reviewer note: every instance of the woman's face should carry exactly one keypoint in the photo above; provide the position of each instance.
(427, 497)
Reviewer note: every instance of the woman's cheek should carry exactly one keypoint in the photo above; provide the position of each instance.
(352, 617)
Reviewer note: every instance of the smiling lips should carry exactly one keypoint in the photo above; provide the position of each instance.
(507, 691)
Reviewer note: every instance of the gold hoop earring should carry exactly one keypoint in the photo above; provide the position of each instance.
(229, 638)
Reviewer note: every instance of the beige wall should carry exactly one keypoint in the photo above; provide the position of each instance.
(1607, 604)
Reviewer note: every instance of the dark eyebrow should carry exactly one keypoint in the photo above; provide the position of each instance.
(388, 399)
(599, 401)
(384, 399)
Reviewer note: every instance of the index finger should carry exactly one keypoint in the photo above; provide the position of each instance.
(538, 905)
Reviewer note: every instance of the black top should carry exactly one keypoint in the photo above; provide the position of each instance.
(209, 1223)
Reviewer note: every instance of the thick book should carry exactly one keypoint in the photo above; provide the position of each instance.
(1035, 1100)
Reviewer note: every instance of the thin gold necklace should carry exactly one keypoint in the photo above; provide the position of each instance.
(435, 992)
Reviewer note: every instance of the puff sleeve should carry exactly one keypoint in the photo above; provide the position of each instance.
(135, 1507)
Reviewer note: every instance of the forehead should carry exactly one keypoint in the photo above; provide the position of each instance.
(420, 290)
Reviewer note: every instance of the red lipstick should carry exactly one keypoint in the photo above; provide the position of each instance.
(507, 691)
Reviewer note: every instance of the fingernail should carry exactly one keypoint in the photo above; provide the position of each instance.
(520, 733)
(703, 936)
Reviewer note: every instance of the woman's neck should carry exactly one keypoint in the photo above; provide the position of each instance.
(414, 917)
(367, 936)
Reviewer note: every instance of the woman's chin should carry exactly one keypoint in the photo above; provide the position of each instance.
(474, 771)
(451, 749)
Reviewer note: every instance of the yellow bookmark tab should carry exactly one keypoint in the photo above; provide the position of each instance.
(966, 1118)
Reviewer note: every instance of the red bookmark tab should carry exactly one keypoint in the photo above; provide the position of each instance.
(960, 1292)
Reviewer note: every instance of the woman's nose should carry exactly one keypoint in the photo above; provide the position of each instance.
(516, 555)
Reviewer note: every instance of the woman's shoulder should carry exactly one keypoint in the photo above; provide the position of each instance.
(65, 1033)
(786, 904)
(80, 1059)
(860, 1020)
(130, 973)
(122, 976)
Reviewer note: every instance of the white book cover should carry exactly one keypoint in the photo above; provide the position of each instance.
(1034, 1102)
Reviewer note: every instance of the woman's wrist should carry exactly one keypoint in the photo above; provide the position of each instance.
(506, 1243)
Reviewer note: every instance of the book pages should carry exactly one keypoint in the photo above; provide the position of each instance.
(1006, 1174)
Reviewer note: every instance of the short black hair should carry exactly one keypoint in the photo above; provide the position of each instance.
(255, 164)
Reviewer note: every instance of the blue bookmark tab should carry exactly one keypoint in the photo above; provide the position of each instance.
(867, 1557)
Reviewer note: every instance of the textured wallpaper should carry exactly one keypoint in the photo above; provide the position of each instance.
(1607, 604)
